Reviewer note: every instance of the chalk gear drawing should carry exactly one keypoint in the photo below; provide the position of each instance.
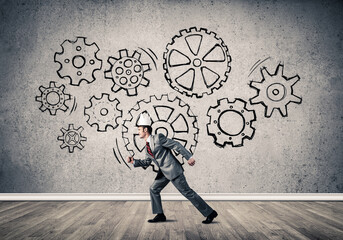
(53, 98)
(72, 138)
(196, 62)
(78, 61)
(275, 91)
(230, 122)
(103, 112)
(127, 72)
(171, 117)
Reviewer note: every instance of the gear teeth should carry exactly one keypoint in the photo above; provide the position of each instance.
(255, 100)
(295, 99)
(255, 84)
(268, 111)
(193, 29)
(136, 55)
(108, 74)
(123, 53)
(293, 80)
(183, 32)
(132, 91)
(146, 67)
(283, 111)
(115, 88)
(111, 60)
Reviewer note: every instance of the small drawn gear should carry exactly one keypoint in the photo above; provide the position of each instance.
(72, 138)
(127, 72)
(103, 112)
(230, 122)
(78, 61)
(275, 91)
(173, 118)
(53, 98)
(196, 62)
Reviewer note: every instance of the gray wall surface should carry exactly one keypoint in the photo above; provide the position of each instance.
(298, 153)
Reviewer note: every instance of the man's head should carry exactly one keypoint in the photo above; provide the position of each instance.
(144, 125)
(144, 131)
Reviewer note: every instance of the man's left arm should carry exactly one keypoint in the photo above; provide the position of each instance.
(176, 146)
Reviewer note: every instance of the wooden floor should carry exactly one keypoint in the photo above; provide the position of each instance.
(128, 220)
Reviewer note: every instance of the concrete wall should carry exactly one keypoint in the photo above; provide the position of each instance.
(298, 153)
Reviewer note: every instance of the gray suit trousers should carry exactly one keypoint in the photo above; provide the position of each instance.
(181, 184)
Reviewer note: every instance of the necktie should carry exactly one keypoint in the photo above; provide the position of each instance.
(149, 149)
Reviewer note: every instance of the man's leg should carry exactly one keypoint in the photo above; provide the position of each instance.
(155, 190)
(181, 184)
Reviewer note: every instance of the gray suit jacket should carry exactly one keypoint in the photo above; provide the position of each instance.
(161, 148)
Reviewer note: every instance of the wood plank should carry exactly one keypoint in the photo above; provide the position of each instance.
(128, 220)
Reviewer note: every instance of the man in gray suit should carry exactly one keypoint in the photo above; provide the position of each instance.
(159, 150)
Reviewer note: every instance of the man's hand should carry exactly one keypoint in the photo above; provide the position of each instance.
(129, 159)
(191, 161)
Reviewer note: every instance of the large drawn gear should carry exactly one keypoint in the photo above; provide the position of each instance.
(53, 98)
(78, 61)
(230, 122)
(72, 138)
(103, 112)
(173, 118)
(196, 62)
(127, 72)
(275, 91)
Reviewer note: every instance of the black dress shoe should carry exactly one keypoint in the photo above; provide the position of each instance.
(210, 217)
(158, 218)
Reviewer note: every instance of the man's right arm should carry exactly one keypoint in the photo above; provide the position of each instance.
(139, 162)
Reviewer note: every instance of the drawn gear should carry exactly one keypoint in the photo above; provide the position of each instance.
(230, 122)
(78, 61)
(72, 138)
(275, 91)
(196, 62)
(53, 98)
(103, 112)
(127, 72)
(173, 118)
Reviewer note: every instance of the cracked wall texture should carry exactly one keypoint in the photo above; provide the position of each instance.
(296, 154)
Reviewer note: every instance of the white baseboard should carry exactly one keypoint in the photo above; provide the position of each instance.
(170, 196)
